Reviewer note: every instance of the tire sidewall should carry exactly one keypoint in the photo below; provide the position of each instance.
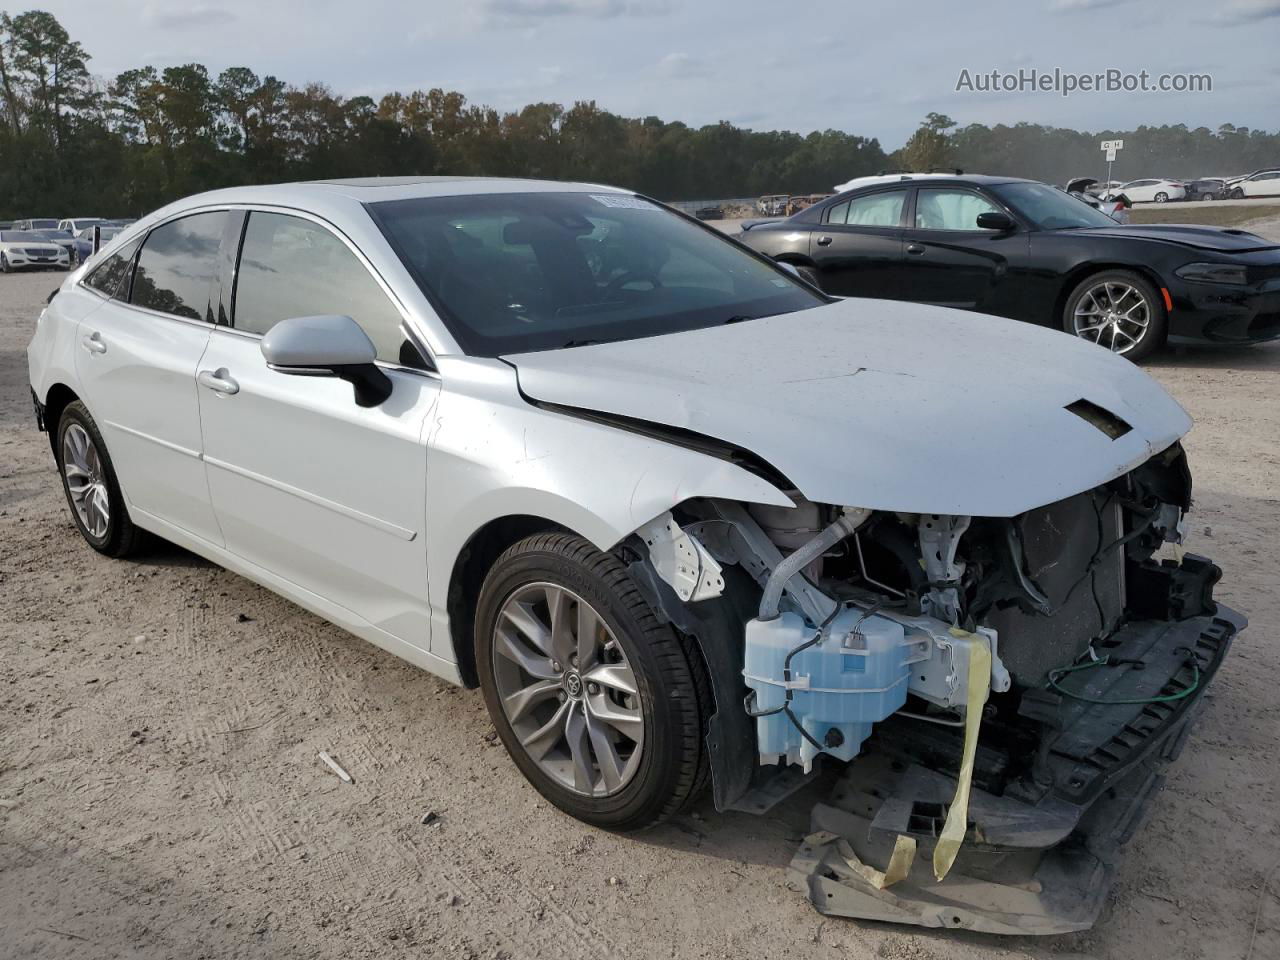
(1152, 340)
(118, 522)
(654, 780)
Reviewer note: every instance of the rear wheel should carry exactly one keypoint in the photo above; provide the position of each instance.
(1119, 310)
(89, 481)
(1161, 197)
(596, 700)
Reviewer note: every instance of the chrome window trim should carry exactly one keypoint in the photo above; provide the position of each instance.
(406, 326)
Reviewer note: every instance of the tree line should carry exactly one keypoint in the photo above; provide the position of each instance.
(71, 142)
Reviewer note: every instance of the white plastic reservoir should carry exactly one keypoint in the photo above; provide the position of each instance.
(839, 687)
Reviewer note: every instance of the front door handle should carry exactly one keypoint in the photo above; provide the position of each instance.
(93, 343)
(824, 241)
(915, 248)
(219, 381)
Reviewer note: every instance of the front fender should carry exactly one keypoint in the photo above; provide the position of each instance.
(491, 455)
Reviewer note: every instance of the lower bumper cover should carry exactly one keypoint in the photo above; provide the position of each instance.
(1032, 862)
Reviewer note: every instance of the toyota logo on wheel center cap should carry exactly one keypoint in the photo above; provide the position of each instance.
(573, 685)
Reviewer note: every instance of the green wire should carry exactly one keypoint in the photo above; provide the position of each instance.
(1054, 675)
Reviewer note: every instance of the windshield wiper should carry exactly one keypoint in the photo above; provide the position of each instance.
(740, 317)
(580, 343)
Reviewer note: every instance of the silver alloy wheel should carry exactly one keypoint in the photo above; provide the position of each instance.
(1112, 314)
(86, 480)
(567, 689)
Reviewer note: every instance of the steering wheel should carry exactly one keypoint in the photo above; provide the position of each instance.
(631, 276)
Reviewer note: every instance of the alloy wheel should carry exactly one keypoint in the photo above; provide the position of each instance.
(86, 480)
(1112, 314)
(567, 689)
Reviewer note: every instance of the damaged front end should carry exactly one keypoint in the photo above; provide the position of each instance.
(1003, 691)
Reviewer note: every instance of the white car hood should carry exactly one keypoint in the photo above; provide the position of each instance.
(882, 404)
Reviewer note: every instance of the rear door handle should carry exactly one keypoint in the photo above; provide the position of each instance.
(824, 241)
(93, 343)
(915, 248)
(219, 381)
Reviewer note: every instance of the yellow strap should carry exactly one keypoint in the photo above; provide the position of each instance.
(944, 854)
(904, 851)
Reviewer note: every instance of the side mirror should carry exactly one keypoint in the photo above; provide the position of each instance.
(996, 220)
(327, 346)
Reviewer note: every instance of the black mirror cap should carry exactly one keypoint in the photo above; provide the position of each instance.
(996, 220)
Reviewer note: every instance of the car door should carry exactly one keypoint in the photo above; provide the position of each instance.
(1262, 185)
(949, 260)
(857, 250)
(136, 362)
(306, 484)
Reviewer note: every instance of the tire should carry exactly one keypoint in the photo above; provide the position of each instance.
(117, 537)
(1237, 194)
(1161, 197)
(810, 275)
(656, 768)
(4, 264)
(1099, 293)
(1206, 196)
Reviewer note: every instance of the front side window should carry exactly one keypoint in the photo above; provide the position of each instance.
(177, 266)
(875, 210)
(110, 277)
(510, 273)
(941, 209)
(1049, 208)
(291, 267)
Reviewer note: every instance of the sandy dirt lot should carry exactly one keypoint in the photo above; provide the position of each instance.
(160, 794)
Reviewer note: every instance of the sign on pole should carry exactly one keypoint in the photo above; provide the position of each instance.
(1111, 147)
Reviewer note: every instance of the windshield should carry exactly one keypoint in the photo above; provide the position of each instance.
(22, 236)
(1049, 208)
(510, 273)
(43, 224)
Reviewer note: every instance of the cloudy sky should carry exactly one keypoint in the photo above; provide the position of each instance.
(873, 69)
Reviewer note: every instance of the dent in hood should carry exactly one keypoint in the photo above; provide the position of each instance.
(882, 404)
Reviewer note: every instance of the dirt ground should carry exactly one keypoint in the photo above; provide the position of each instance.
(160, 794)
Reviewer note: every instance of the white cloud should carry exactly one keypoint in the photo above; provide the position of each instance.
(523, 12)
(1076, 6)
(170, 18)
(681, 66)
(1245, 11)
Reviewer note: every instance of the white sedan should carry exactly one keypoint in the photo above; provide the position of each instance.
(1264, 183)
(1150, 191)
(30, 250)
(685, 520)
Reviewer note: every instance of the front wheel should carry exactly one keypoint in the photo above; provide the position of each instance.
(4, 263)
(597, 701)
(89, 481)
(1119, 310)
(1237, 194)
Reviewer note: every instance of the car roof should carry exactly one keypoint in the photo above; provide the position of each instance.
(927, 179)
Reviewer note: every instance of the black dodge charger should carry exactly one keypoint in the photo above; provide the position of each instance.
(1021, 249)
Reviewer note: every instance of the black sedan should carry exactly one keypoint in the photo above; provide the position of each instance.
(1021, 249)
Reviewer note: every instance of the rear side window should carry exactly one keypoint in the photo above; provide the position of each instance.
(111, 276)
(291, 267)
(177, 266)
(876, 210)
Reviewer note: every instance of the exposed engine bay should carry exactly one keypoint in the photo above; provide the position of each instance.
(1002, 690)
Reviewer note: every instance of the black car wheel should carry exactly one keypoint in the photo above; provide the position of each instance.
(598, 702)
(4, 263)
(1237, 194)
(1119, 310)
(89, 481)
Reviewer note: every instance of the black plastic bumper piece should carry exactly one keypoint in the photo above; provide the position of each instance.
(1033, 862)
(39, 407)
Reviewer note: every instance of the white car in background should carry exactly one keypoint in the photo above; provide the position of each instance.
(74, 225)
(642, 485)
(1264, 183)
(31, 250)
(1150, 191)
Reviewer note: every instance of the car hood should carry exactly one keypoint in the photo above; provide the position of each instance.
(881, 404)
(1222, 240)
